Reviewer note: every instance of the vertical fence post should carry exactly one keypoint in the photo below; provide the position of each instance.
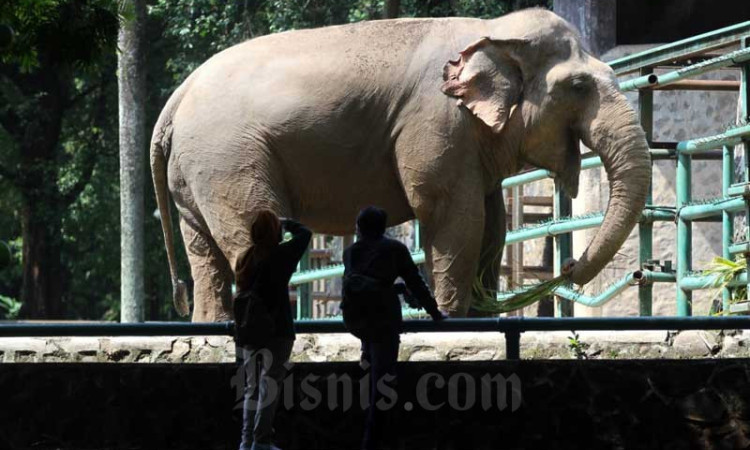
(684, 234)
(563, 247)
(516, 268)
(304, 291)
(646, 228)
(727, 222)
(512, 337)
(745, 110)
(417, 236)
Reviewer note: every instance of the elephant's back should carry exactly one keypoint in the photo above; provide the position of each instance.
(293, 105)
(336, 61)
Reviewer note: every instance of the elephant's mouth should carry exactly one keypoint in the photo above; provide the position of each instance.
(572, 164)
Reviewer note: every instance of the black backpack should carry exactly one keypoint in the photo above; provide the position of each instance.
(362, 303)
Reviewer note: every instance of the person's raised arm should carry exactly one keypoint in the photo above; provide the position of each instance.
(294, 248)
(409, 272)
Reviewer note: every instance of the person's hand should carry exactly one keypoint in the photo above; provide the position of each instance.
(439, 316)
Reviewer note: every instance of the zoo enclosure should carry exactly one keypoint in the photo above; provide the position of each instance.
(734, 199)
(686, 58)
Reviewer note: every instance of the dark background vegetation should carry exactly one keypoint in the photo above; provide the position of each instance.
(59, 163)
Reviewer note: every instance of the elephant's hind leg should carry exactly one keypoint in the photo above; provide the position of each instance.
(212, 276)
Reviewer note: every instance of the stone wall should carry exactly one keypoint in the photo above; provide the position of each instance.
(414, 347)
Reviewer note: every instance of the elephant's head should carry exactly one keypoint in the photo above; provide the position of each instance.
(531, 79)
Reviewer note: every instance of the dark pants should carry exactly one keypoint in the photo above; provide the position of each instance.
(382, 356)
(264, 374)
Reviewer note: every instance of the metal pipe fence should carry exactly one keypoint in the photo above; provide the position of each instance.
(510, 327)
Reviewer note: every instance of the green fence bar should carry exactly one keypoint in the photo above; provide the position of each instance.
(694, 212)
(527, 177)
(524, 234)
(742, 247)
(553, 229)
(637, 278)
(651, 80)
(698, 282)
(569, 225)
(739, 189)
(542, 174)
(732, 136)
(593, 162)
(335, 270)
(646, 227)
(665, 54)
(727, 221)
(684, 234)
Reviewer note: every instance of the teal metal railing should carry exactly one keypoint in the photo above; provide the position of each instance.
(685, 211)
(511, 327)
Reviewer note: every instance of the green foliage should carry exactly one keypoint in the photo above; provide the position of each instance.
(578, 348)
(59, 31)
(53, 127)
(9, 307)
(723, 271)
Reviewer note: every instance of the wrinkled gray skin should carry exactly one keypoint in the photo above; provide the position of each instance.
(422, 117)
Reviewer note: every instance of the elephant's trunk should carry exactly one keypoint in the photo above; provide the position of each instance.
(613, 131)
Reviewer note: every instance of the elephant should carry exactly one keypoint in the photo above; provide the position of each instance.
(421, 117)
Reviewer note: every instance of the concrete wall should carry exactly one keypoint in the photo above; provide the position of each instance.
(548, 404)
(414, 347)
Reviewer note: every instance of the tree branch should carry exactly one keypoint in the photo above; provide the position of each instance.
(91, 88)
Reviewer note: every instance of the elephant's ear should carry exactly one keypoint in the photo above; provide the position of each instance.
(487, 80)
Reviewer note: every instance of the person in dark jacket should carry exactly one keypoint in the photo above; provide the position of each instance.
(384, 259)
(266, 269)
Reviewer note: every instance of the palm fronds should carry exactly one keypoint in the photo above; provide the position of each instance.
(521, 299)
(723, 272)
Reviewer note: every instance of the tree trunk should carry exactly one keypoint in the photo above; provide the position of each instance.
(392, 8)
(42, 203)
(132, 98)
(42, 266)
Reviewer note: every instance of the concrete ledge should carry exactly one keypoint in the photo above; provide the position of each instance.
(414, 347)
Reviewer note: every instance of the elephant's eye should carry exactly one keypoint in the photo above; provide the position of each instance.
(579, 84)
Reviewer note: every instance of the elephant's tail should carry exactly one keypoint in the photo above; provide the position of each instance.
(161, 142)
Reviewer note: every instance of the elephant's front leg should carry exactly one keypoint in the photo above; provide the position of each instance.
(493, 242)
(456, 245)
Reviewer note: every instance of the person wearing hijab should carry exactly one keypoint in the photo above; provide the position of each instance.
(265, 270)
(378, 257)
